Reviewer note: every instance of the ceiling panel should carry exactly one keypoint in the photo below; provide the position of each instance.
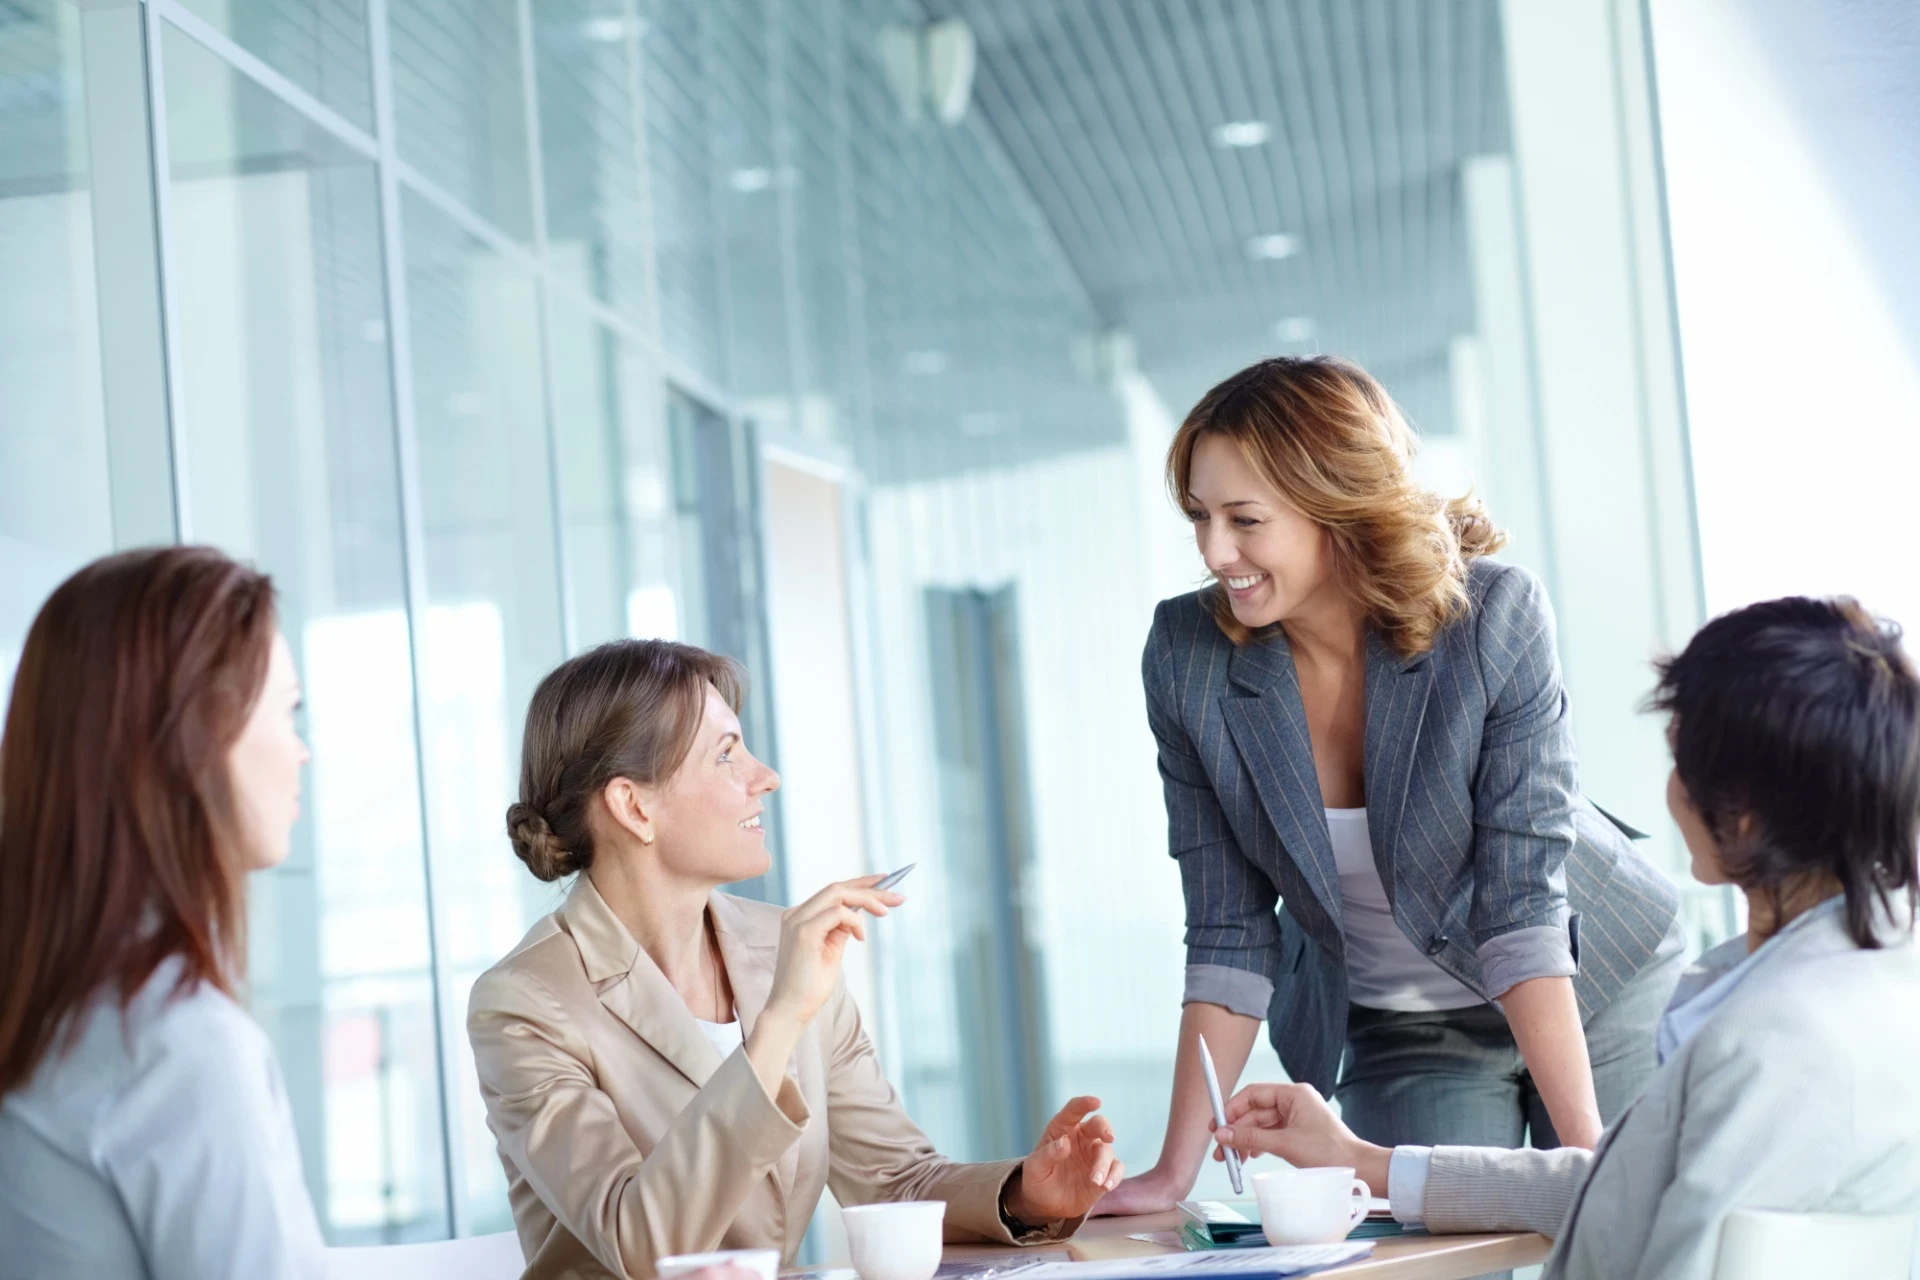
(1109, 109)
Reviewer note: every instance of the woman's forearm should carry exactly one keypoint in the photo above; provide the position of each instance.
(775, 1036)
(1545, 1020)
(1230, 1039)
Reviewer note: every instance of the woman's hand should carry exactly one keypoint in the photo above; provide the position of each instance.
(1151, 1192)
(1294, 1122)
(1071, 1168)
(813, 938)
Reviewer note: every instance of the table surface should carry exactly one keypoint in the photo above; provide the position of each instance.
(1412, 1257)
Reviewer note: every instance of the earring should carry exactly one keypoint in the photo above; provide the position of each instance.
(646, 839)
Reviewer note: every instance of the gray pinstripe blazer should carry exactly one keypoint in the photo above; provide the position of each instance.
(1495, 865)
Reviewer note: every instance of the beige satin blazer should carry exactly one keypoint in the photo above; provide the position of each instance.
(626, 1138)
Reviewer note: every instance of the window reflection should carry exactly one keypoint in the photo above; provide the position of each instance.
(289, 454)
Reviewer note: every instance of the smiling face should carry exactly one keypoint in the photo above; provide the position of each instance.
(265, 764)
(1272, 561)
(705, 819)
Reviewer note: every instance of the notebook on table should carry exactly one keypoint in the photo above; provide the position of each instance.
(1240, 1264)
(1235, 1224)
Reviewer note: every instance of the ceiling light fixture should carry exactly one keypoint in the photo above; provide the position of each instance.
(1294, 329)
(1272, 248)
(748, 181)
(606, 30)
(1242, 133)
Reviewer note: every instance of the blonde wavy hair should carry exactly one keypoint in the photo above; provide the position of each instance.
(1325, 434)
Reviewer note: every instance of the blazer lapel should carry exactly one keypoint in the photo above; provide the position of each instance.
(1269, 726)
(749, 956)
(1397, 689)
(632, 987)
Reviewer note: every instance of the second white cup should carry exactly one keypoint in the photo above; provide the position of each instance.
(764, 1263)
(898, 1241)
(1309, 1206)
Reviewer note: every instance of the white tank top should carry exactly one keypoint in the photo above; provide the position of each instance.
(1384, 969)
(725, 1037)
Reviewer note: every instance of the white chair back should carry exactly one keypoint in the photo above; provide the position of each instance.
(495, 1257)
(1763, 1245)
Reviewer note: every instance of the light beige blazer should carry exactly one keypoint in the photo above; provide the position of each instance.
(1798, 1094)
(626, 1138)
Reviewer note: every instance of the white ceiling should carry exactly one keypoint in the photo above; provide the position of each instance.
(1108, 107)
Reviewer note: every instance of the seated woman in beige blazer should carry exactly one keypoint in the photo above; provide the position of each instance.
(669, 1069)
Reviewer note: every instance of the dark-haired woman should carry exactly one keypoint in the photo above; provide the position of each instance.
(1372, 794)
(669, 1069)
(1789, 1053)
(150, 761)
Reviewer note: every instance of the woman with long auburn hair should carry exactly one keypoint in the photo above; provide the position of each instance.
(149, 762)
(1373, 798)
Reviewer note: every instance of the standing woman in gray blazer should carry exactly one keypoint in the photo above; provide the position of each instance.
(1373, 798)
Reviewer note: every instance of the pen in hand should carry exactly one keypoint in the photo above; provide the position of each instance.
(1219, 1114)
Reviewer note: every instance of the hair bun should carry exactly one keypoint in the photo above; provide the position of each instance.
(535, 844)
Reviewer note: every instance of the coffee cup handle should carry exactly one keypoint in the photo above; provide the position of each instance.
(1361, 1194)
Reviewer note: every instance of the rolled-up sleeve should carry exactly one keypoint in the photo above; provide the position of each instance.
(1524, 791)
(1232, 937)
(1407, 1184)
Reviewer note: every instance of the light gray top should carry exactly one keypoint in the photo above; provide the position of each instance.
(1384, 969)
(1796, 1094)
(165, 1151)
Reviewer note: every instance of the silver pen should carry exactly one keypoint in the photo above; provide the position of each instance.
(1219, 1114)
(894, 878)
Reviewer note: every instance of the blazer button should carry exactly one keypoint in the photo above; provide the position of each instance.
(1436, 944)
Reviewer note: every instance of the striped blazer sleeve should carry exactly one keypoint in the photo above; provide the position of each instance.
(1524, 791)
(1232, 937)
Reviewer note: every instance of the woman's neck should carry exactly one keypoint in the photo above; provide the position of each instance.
(1768, 912)
(667, 916)
(1327, 630)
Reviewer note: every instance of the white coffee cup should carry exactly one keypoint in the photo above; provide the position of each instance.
(1309, 1206)
(764, 1263)
(898, 1241)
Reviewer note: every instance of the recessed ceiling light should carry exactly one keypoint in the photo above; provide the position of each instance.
(1294, 329)
(748, 181)
(1242, 133)
(1273, 248)
(925, 363)
(605, 30)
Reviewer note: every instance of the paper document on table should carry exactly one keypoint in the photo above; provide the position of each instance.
(1239, 1264)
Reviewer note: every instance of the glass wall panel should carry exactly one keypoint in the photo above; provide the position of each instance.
(290, 460)
(681, 186)
(55, 512)
(811, 131)
(752, 179)
(584, 53)
(320, 45)
(616, 482)
(460, 104)
(492, 627)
